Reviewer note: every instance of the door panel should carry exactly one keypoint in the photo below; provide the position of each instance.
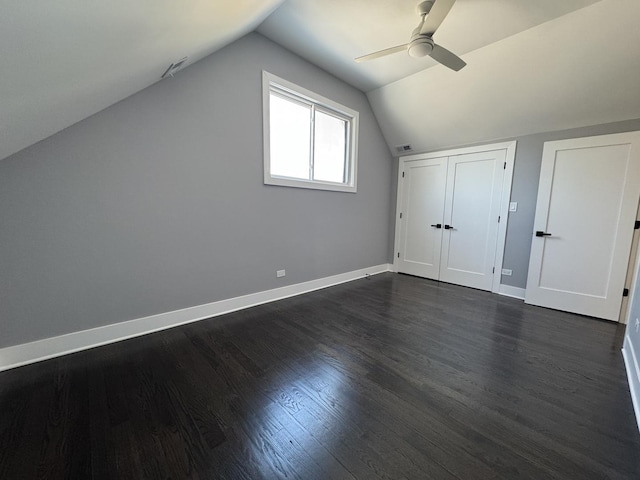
(422, 206)
(587, 201)
(472, 206)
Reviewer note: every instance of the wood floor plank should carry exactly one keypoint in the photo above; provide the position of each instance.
(390, 377)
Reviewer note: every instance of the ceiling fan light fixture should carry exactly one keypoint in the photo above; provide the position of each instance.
(420, 47)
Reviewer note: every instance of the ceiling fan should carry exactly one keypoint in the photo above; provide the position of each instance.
(421, 44)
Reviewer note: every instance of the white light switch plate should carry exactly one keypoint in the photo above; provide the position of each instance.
(513, 206)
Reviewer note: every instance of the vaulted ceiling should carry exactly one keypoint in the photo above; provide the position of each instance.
(532, 65)
(331, 33)
(65, 60)
(576, 70)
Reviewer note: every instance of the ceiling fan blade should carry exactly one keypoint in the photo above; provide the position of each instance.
(447, 58)
(435, 17)
(382, 53)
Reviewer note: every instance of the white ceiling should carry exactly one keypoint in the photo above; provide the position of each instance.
(65, 60)
(577, 70)
(331, 33)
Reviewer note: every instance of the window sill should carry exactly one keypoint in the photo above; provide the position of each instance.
(290, 182)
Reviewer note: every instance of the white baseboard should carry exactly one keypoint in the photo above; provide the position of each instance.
(633, 375)
(509, 291)
(26, 353)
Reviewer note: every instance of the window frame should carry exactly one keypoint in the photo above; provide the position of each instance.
(283, 88)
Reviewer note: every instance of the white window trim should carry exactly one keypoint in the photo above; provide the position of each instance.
(323, 103)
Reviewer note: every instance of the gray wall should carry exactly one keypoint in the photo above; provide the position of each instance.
(632, 340)
(157, 203)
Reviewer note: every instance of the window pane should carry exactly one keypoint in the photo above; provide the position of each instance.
(330, 148)
(289, 128)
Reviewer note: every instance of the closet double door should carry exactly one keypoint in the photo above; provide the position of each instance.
(449, 218)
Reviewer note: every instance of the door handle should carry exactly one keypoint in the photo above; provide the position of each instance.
(540, 233)
(448, 227)
(437, 225)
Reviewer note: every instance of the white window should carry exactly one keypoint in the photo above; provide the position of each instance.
(309, 141)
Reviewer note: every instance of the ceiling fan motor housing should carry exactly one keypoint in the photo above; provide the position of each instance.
(420, 46)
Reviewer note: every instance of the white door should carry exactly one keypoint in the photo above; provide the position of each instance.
(472, 208)
(422, 209)
(587, 202)
(449, 224)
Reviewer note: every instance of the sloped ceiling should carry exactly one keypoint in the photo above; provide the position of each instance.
(331, 33)
(577, 70)
(65, 60)
(533, 64)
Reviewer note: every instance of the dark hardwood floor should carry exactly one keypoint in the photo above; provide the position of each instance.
(389, 377)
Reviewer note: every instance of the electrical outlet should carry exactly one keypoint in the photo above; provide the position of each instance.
(507, 272)
(280, 273)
